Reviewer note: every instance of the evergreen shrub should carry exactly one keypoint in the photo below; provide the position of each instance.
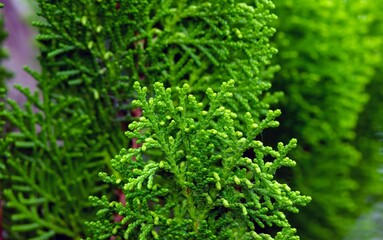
(91, 53)
(370, 123)
(326, 56)
(199, 186)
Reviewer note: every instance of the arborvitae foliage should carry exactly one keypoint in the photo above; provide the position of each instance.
(199, 186)
(97, 49)
(4, 75)
(4, 143)
(325, 70)
(51, 169)
(91, 53)
(371, 119)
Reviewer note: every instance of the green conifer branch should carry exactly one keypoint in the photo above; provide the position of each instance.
(91, 53)
(49, 161)
(4, 74)
(321, 46)
(371, 118)
(169, 41)
(4, 141)
(199, 186)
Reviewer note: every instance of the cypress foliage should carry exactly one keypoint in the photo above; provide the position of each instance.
(323, 51)
(199, 186)
(4, 142)
(91, 53)
(370, 121)
(98, 49)
(4, 75)
(50, 168)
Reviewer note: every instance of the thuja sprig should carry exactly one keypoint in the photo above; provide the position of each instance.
(98, 49)
(46, 166)
(4, 142)
(199, 185)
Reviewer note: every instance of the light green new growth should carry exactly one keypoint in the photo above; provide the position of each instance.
(92, 52)
(199, 185)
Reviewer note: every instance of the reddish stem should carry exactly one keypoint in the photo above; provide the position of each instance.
(121, 196)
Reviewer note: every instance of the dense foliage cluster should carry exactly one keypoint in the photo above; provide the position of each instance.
(91, 53)
(370, 123)
(49, 162)
(4, 75)
(199, 185)
(202, 157)
(328, 60)
(98, 49)
(4, 142)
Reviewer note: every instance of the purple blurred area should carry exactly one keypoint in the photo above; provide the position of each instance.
(19, 45)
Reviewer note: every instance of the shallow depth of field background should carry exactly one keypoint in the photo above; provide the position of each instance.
(330, 55)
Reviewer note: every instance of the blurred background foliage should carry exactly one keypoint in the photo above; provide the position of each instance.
(330, 58)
